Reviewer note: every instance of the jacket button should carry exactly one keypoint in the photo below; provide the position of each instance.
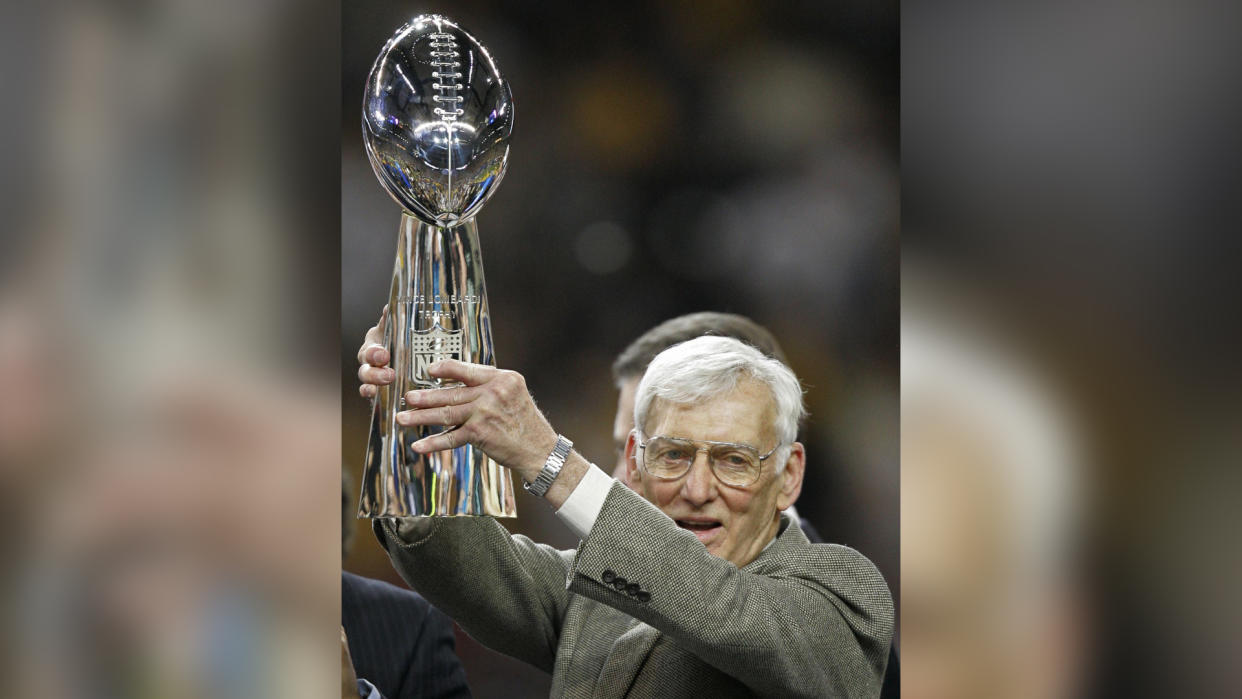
(609, 576)
(632, 589)
(619, 583)
(644, 596)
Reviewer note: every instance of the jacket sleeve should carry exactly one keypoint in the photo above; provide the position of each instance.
(810, 620)
(506, 591)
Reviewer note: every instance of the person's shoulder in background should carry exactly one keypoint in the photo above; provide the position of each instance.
(399, 642)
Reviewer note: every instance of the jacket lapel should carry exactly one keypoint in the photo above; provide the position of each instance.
(789, 537)
(628, 654)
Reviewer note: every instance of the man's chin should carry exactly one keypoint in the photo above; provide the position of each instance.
(716, 546)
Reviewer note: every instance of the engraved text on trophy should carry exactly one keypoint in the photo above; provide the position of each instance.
(440, 305)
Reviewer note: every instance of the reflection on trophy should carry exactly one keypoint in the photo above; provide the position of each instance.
(436, 119)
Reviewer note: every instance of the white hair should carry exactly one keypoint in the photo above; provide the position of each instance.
(710, 366)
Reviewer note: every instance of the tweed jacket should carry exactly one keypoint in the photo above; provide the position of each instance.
(641, 609)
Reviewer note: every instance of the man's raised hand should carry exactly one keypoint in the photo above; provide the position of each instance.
(373, 359)
(493, 411)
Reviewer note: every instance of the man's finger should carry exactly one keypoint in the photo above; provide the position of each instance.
(378, 376)
(436, 397)
(374, 340)
(439, 442)
(376, 355)
(469, 374)
(367, 390)
(447, 415)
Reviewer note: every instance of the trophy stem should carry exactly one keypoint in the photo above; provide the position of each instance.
(437, 309)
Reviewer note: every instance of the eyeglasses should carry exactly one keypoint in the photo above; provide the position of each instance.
(670, 458)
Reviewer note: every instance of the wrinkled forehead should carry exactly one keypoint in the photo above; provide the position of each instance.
(746, 414)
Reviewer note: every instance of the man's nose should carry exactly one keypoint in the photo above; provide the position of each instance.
(700, 483)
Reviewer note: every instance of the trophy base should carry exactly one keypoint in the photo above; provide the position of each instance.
(461, 482)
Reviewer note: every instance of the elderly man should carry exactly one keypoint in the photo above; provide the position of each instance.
(700, 587)
(631, 364)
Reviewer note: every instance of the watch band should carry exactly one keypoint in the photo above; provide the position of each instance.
(551, 467)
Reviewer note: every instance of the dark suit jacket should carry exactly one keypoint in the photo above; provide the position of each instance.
(399, 642)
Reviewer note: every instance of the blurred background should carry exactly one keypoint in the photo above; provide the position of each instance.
(169, 304)
(668, 157)
(1070, 335)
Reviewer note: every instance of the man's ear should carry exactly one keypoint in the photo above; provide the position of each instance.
(791, 483)
(631, 460)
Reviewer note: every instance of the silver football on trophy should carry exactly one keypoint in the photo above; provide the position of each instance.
(436, 121)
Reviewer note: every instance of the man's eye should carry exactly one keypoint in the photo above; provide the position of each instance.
(673, 455)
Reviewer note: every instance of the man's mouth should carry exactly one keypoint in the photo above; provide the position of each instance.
(705, 529)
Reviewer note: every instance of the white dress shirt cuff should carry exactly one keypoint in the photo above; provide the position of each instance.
(580, 509)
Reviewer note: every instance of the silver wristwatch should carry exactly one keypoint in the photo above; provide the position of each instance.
(551, 467)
